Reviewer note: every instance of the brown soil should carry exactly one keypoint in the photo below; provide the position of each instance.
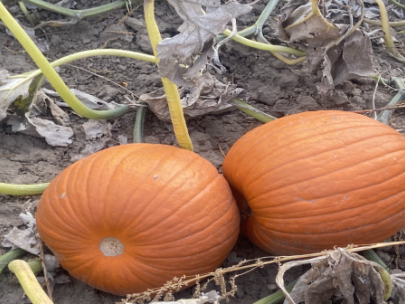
(270, 85)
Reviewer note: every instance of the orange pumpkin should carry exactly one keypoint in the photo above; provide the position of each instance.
(132, 217)
(316, 180)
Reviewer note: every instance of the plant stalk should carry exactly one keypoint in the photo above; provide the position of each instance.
(140, 123)
(92, 53)
(35, 266)
(29, 282)
(252, 111)
(399, 83)
(264, 46)
(386, 28)
(391, 24)
(172, 94)
(79, 14)
(50, 73)
(16, 190)
(397, 4)
(257, 29)
(6, 258)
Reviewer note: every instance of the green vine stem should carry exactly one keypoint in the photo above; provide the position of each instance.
(386, 278)
(400, 96)
(391, 24)
(91, 53)
(381, 80)
(257, 27)
(386, 28)
(29, 282)
(23, 8)
(36, 189)
(371, 255)
(172, 94)
(397, 4)
(35, 266)
(140, 123)
(276, 297)
(263, 44)
(274, 49)
(6, 258)
(21, 190)
(50, 73)
(252, 111)
(79, 14)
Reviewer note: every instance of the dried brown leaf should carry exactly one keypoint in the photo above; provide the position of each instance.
(55, 135)
(340, 274)
(320, 291)
(398, 291)
(60, 116)
(207, 96)
(184, 56)
(351, 58)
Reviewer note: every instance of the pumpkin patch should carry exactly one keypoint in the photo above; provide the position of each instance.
(133, 217)
(321, 179)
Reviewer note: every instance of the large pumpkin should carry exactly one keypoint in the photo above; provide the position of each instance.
(133, 217)
(316, 180)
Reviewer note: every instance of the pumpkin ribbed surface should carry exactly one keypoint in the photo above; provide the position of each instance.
(316, 180)
(132, 217)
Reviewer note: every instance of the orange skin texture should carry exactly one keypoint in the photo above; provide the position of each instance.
(171, 209)
(321, 179)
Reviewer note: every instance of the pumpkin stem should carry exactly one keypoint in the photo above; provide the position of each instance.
(29, 282)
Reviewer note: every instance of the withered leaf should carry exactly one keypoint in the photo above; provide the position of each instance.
(207, 96)
(183, 56)
(398, 291)
(60, 116)
(351, 58)
(55, 135)
(320, 291)
(340, 275)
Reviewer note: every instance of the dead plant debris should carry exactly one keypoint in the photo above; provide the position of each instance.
(184, 56)
(341, 275)
(340, 51)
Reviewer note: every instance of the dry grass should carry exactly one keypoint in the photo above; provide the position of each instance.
(176, 284)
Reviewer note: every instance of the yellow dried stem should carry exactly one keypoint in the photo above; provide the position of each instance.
(29, 282)
(386, 28)
(172, 94)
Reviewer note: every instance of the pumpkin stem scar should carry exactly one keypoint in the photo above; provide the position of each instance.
(111, 246)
